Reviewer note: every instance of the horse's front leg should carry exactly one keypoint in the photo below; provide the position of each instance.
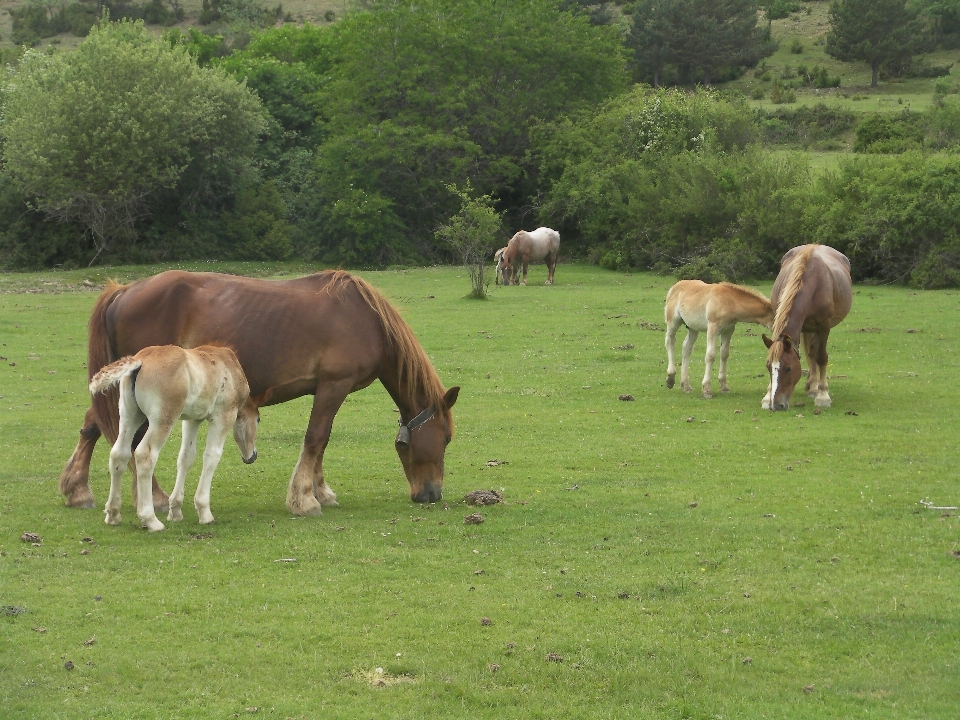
(308, 491)
(526, 266)
(811, 346)
(75, 478)
(216, 436)
(688, 342)
(713, 331)
(725, 338)
(185, 460)
(823, 395)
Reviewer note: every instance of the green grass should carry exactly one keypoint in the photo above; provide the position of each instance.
(855, 93)
(807, 561)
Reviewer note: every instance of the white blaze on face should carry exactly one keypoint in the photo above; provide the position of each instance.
(774, 381)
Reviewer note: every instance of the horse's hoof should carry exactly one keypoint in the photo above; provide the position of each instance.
(724, 389)
(307, 505)
(549, 282)
(206, 517)
(152, 524)
(707, 395)
(670, 382)
(823, 402)
(112, 519)
(175, 515)
(81, 498)
(327, 498)
(161, 503)
(687, 388)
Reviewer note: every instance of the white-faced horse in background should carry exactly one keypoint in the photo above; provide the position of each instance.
(498, 259)
(715, 309)
(163, 384)
(540, 244)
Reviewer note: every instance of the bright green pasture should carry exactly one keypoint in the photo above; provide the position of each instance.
(668, 557)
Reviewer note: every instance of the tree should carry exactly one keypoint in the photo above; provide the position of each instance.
(874, 31)
(706, 34)
(472, 234)
(96, 135)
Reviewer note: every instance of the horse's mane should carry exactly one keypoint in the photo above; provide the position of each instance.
(791, 288)
(417, 374)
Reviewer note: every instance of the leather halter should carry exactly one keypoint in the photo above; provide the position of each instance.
(403, 435)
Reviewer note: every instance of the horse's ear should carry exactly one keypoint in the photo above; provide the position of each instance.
(787, 343)
(767, 341)
(451, 397)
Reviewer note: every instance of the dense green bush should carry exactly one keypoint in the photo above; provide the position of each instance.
(882, 133)
(806, 125)
(895, 218)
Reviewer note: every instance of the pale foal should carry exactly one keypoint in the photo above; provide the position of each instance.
(163, 384)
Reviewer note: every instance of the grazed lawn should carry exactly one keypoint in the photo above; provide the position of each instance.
(672, 556)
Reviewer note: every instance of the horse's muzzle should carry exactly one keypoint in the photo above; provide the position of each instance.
(252, 460)
(432, 492)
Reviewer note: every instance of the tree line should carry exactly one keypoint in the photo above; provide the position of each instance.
(352, 143)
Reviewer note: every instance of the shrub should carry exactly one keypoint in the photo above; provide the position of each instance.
(796, 47)
(757, 93)
(885, 133)
(781, 94)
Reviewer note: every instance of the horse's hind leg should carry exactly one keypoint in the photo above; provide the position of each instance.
(161, 501)
(130, 419)
(526, 266)
(146, 456)
(725, 338)
(308, 491)
(670, 341)
(75, 478)
(185, 460)
(688, 342)
(551, 267)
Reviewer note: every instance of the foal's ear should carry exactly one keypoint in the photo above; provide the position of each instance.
(451, 397)
(767, 341)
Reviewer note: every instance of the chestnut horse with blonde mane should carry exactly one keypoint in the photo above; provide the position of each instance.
(326, 335)
(714, 309)
(811, 295)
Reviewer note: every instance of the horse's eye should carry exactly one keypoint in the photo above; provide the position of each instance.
(258, 421)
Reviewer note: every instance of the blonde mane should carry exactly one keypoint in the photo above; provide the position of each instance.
(791, 288)
(417, 374)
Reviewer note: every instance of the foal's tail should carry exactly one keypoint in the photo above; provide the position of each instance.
(113, 373)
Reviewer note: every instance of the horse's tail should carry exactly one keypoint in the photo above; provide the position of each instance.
(113, 373)
(100, 352)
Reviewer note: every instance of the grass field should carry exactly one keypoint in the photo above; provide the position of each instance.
(669, 557)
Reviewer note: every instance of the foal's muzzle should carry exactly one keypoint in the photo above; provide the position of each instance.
(252, 460)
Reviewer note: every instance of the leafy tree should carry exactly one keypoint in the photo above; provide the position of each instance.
(99, 135)
(656, 35)
(874, 31)
(428, 93)
(472, 233)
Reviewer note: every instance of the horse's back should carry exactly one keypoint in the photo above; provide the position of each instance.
(827, 274)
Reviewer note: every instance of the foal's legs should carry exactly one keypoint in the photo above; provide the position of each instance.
(713, 332)
(688, 343)
(130, 420)
(216, 435)
(185, 460)
(308, 492)
(146, 456)
(670, 342)
(725, 338)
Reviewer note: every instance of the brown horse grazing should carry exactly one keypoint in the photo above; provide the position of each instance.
(714, 309)
(325, 335)
(540, 244)
(812, 294)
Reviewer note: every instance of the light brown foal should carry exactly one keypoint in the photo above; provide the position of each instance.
(163, 384)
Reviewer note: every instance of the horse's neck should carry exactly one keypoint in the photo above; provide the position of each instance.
(409, 402)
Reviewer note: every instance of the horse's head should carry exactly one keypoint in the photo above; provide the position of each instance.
(421, 444)
(245, 430)
(508, 268)
(498, 259)
(783, 364)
